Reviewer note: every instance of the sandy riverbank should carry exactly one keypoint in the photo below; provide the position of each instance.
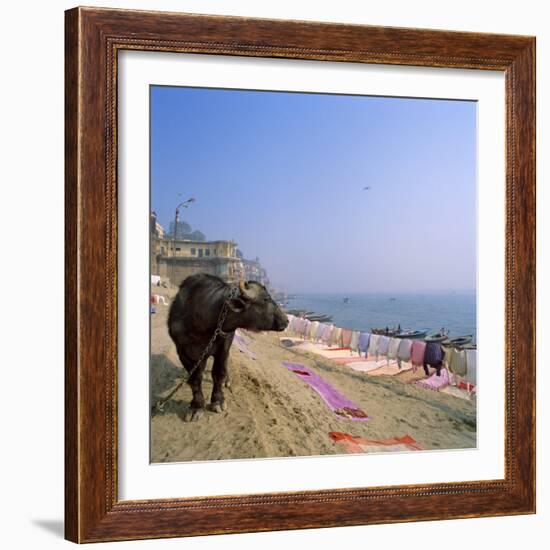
(272, 413)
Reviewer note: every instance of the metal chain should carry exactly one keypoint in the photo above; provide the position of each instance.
(234, 292)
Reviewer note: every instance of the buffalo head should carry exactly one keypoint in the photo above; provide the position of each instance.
(255, 309)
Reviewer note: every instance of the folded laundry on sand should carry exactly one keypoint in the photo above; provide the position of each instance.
(241, 342)
(365, 366)
(339, 404)
(354, 444)
(434, 382)
(390, 369)
(348, 359)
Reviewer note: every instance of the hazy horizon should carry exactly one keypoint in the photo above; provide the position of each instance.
(283, 174)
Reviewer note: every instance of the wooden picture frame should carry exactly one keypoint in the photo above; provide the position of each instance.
(93, 39)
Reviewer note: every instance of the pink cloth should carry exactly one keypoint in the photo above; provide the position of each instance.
(327, 333)
(342, 407)
(346, 337)
(435, 382)
(418, 349)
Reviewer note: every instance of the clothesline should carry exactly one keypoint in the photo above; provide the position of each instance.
(462, 363)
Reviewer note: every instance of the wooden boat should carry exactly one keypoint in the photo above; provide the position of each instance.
(436, 337)
(412, 334)
(385, 331)
(459, 341)
(321, 318)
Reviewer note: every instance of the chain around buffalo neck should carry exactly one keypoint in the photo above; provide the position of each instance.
(233, 293)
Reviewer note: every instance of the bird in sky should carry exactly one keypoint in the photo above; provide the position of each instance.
(366, 188)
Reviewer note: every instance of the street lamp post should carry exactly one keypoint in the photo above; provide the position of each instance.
(184, 204)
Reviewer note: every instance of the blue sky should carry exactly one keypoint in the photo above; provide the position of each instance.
(283, 175)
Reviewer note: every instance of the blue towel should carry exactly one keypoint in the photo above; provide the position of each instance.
(364, 342)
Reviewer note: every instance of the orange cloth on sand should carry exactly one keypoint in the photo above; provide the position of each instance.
(355, 444)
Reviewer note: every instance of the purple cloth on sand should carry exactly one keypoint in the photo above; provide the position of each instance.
(332, 397)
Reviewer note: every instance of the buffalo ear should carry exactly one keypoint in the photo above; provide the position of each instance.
(237, 305)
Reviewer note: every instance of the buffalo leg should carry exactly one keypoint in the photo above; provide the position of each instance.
(196, 408)
(219, 376)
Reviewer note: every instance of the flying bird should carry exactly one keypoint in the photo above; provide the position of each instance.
(366, 188)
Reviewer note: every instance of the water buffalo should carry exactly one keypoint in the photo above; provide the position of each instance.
(193, 318)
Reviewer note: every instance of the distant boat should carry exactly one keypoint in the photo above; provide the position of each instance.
(412, 334)
(459, 341)
(392, 299)
(320, 317)
(345, 300)
(436, 337)
(385, 331)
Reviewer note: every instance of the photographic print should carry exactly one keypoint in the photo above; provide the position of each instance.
(313, 274)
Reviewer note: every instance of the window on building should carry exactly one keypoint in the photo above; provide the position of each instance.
(193, 251)
(178, 249)
(215, 251)
(200, 252)
(207, 252)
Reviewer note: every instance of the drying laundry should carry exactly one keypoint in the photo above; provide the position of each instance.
(383, 345)
(346, 337)
(457, 362)
(404, 351)
(336, 338)
(364, 342)
(373, 345)
(471, 366)
(354, 344)
(393, 347)
(418, 350)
